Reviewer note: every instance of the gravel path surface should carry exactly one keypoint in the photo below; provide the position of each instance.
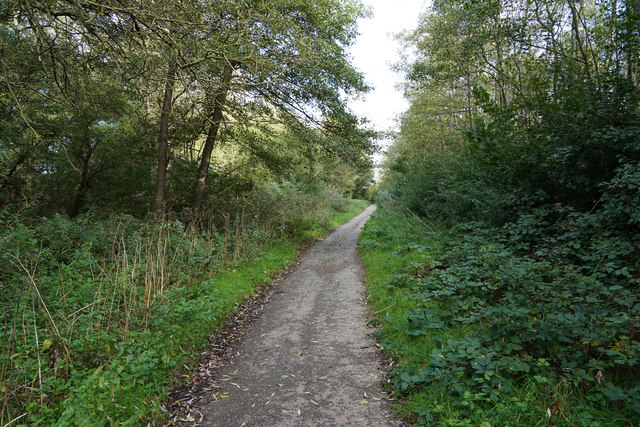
(309, 360)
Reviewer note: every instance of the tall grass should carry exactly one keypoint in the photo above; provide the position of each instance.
(97, 314)
(75, 294)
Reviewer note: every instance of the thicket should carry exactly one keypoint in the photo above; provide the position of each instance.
(520, 156)
(99, 314)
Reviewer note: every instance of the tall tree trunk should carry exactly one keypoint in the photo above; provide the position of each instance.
(469, 101)
(500, 80)
(163, 139)
(82, 192)
(216, 119)
(575, 25)
(20, 158)
(84, 178)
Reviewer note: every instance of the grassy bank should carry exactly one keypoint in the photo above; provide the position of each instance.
(98, 316)
(483, 335)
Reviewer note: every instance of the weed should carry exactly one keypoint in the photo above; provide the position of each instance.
(98, 315)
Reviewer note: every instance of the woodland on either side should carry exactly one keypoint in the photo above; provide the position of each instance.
(509, 216)
(148, 151)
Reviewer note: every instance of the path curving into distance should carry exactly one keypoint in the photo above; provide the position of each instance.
(309, 360)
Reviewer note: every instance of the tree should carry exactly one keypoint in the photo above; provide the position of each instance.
(285, 69)
(199, 70)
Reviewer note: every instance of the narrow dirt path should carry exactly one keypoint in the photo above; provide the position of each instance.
(309, 359)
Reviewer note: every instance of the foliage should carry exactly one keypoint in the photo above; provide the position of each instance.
(99, 315)
(488, 319)
(228, 119)
(514, 300)
(86, 124)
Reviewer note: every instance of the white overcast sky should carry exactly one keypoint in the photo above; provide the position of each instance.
(374, 53)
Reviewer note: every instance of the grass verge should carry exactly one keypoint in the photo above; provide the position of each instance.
(354, 207)
(195, 312)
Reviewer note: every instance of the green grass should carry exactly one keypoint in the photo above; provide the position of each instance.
(309, 231)
(380, 245)
(135, 382)
(228, 290)
(354, 208)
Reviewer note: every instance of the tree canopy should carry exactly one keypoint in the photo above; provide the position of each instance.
(121, 103)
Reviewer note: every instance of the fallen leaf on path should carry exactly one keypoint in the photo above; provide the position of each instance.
(364, 402)
(324, 377)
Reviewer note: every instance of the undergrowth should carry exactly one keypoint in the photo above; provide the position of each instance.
(99, 315)
(503, 326)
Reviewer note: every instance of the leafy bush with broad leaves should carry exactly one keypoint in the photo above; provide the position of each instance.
(550, 297)
(293, 208)
(448, 189)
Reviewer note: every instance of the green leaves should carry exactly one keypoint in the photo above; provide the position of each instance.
(525, 312)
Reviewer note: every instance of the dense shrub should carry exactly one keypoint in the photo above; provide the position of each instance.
(548, 302)
(91, 307)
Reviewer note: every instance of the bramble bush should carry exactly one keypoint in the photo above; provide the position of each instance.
(548, 301)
